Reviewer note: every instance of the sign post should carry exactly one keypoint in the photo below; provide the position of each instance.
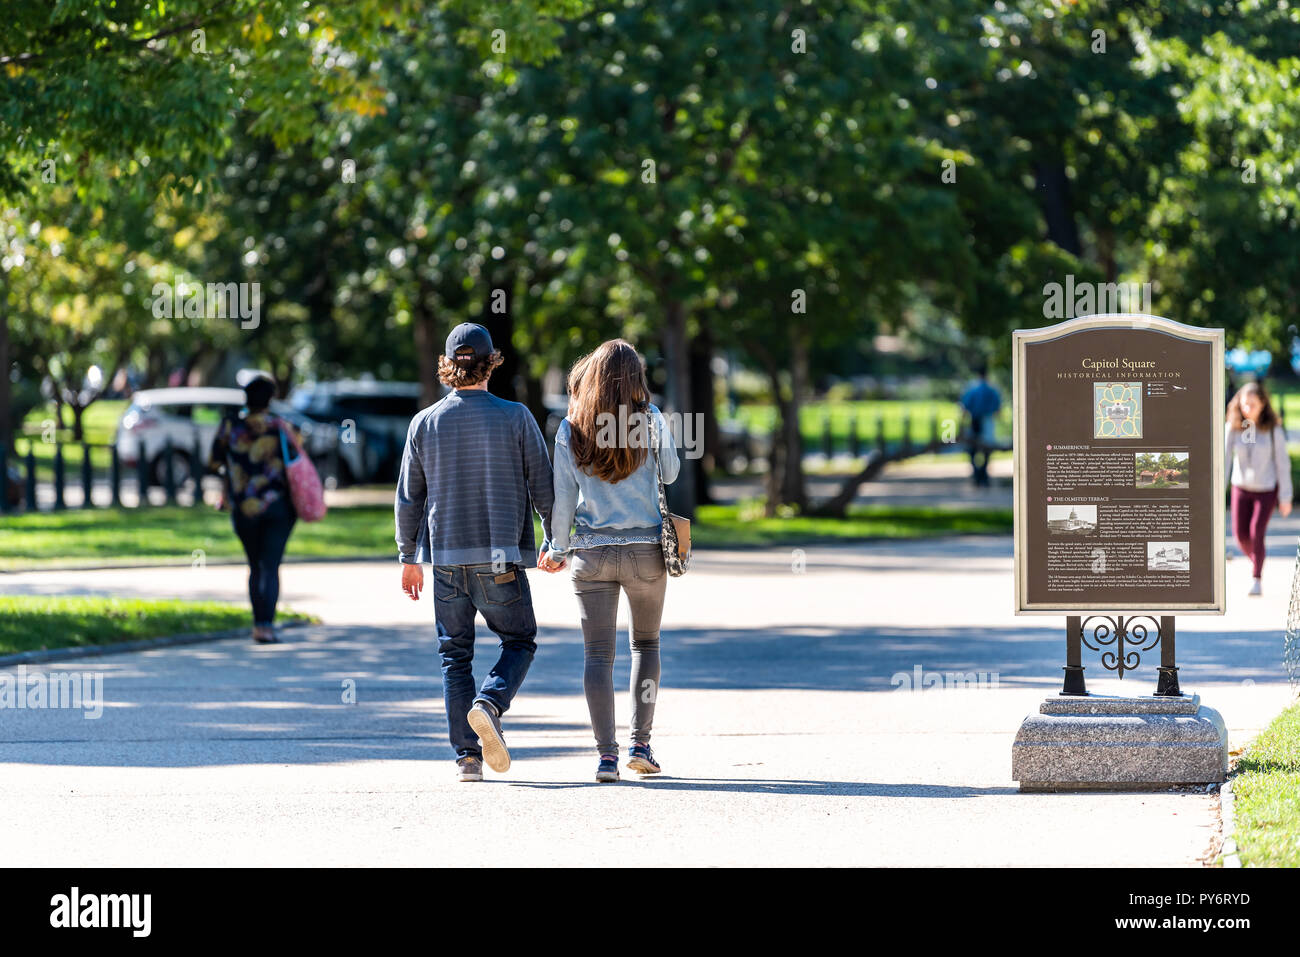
(1119, 525)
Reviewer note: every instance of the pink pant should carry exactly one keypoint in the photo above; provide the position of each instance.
(1250, 514)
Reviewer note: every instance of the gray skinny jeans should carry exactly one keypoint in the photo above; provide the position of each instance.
(599, 574)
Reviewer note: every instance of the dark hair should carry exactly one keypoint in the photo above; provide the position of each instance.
(1266, 419)
(460, 373)
(259, 392)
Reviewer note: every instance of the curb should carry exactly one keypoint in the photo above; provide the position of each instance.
(123, 647)
(1228, 825)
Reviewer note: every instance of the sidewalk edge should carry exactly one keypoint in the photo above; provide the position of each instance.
(124, 647)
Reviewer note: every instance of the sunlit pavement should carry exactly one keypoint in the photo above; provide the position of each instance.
(785, 726)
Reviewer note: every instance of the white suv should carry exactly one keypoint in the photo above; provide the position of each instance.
(186, 415)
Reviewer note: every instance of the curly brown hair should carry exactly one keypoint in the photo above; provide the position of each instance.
(461, 373)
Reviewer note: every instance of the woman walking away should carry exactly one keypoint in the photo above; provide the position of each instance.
(247, 451)
(606, 486)
(1255, 452)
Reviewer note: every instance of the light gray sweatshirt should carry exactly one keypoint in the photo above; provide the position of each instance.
(1260, 465)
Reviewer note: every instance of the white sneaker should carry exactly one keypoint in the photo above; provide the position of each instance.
(1255, 589)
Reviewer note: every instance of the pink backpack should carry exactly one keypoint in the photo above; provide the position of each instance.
(305, 487)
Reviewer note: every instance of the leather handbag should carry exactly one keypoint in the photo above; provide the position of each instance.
(675, 531)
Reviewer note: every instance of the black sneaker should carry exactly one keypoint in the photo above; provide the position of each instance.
(487, 725)
(470, 769)
(642, 760)
(607, 770)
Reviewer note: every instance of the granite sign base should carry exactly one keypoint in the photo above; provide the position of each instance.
(1101, 742)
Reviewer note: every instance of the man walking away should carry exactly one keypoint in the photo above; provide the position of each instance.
(981, 402)
(471, 464)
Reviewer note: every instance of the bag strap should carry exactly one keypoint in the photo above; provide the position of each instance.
(659, 475)
(284, 443)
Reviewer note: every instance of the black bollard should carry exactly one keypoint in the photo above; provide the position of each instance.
(31, 478)
(115, 476)
(169, 473)
(87, 478)
(196, 472)
(142, 476)
(58, 477)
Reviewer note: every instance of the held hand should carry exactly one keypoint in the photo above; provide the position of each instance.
(413, 580)
(548, 564)
(1284, 508)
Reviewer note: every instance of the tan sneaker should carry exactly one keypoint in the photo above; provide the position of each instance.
(483, 719)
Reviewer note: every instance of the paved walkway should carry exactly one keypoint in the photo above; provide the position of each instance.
(783, 736)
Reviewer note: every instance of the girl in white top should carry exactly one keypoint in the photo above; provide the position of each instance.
(1260, 468)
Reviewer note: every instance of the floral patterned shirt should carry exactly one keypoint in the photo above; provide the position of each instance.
(247, 452)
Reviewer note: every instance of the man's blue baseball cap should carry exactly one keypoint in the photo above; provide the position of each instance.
(469, 340)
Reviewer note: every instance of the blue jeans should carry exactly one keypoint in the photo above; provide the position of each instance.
(503, 598)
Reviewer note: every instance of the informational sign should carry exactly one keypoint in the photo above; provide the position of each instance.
(1119, 467)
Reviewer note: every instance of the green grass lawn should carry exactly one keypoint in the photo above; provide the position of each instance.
(172, 535)
(890, 413)
(737, 525)
(183, 536)
(1267, 786)
(35, 622)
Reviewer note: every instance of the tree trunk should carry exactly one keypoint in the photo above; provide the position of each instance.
(681, 494)
(427, 349)
(792, 479)
(6, 391)
(705, 403)
(1056, 202)
(501, 327)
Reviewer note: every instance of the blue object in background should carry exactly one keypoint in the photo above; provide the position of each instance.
(1255, 363)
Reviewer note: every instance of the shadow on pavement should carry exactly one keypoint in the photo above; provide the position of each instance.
(233, 703)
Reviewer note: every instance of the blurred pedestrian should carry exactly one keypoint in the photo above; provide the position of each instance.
(1260, 467)
(981, 402)
(248, 453)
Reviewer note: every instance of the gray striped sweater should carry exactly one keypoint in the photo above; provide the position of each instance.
(471, 465)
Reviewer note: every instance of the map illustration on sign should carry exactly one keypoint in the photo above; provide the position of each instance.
(1117, 410)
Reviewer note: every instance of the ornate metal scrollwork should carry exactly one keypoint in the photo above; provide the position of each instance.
(1121, 641)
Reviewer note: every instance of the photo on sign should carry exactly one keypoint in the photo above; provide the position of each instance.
(1117, 410)
(1071, 519)
(1161, 470)
(1168, 556)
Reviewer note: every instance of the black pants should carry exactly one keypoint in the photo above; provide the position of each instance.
(264, 538)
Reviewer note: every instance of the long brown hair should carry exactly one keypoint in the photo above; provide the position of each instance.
(1266, 419)
(608, 390)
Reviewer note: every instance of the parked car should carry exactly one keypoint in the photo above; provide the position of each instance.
(373, 416)
(185, 415)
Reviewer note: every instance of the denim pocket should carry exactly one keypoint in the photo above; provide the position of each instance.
(444, 584)
(648, 562)
(501, 588)
(587, 563)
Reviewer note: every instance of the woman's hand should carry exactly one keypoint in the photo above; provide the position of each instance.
(548, 564)
(1284, 508)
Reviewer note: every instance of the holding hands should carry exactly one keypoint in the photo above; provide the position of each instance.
(548, 564)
